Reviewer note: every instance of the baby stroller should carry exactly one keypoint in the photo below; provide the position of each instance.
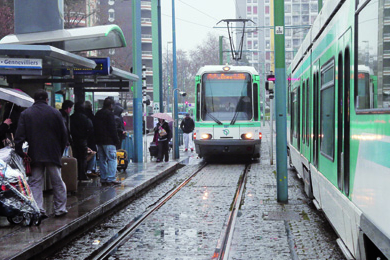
(16, 200)
(122, 159)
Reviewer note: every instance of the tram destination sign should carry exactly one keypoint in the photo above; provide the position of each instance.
(226, 76)
(20, 63)
(103, 66)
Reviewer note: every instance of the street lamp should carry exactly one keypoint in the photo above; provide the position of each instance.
(175, 143)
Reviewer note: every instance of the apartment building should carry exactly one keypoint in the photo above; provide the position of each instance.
(258, 47)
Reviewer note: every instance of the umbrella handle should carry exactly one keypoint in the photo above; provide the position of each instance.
(12, 108)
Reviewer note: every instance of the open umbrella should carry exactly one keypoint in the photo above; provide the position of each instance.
(17, 97)
(164, 116)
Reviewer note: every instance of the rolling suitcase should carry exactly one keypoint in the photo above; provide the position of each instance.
(69, 173)
(153, 149)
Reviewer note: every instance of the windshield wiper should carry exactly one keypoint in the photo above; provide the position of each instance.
(236, 111)
(214, 118)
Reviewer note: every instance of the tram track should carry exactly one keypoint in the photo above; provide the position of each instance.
(196, 210)
(121, 237)
(223, 248)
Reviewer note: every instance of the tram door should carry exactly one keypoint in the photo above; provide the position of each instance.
(316, 117)
(343, 112)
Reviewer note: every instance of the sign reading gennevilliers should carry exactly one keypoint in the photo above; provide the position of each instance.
(20, 63)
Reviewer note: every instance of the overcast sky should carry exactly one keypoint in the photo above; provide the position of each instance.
(194, 19)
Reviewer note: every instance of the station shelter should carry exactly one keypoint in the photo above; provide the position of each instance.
(57, 61)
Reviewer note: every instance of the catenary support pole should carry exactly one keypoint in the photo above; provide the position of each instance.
(280, 103)
(157, 55)
(137, 69)
(176, 154)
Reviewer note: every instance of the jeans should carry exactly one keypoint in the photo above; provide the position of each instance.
(107, 162)
(91, 164)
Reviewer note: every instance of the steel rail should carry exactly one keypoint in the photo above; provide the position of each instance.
(123, 235)
(223, 247)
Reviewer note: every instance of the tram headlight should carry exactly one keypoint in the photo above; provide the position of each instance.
(226, 68)
(247, 136)
(206, 136)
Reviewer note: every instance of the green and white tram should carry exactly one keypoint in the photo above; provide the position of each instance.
(227, 112)
(339, 122)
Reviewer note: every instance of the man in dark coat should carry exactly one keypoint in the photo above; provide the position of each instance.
(65, 110)
(80, 128)
(91, 164)
(187, 125)
(43, 128)
(106, 138)
(120, 126)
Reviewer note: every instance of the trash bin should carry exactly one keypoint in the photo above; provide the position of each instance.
(127, 144)
(180, 137)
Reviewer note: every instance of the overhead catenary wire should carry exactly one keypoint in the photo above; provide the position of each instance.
(199, 10)
(202, 25)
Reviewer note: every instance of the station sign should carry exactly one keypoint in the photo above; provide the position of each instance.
(20, 63)
(103, 67)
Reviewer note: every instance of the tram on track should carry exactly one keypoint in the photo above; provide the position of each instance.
(338, 122)
(227, 111)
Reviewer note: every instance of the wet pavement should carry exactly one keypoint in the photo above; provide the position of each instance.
(89, 202)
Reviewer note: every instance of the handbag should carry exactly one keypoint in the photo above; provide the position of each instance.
(27, 164)
(162, 132)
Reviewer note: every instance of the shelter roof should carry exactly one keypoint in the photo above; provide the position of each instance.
(73, 40)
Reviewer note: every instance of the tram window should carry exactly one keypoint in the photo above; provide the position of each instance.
(226, 96)
(256, 101)
(307, 112)
(289, 94)
(303, 112)
(327, 111)
(198, 102)
(372, 82)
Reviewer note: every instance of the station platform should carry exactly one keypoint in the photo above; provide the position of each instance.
(89, 202)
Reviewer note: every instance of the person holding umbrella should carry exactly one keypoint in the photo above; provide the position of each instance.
(163, 135)
(4, 129)
(17, 99)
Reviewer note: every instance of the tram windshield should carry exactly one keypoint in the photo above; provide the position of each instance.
(226, 97)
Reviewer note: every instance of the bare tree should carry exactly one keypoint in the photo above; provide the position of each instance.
(76, 14)
(6, 18)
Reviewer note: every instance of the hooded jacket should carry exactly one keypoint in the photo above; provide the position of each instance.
(43, 128)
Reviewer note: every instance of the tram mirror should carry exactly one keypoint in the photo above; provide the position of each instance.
(246, 99)
(271, 85)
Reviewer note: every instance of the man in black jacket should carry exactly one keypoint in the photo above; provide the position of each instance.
(65, 110)
(43, 128)
(80, 128)
(106, 138)
(187, 125)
